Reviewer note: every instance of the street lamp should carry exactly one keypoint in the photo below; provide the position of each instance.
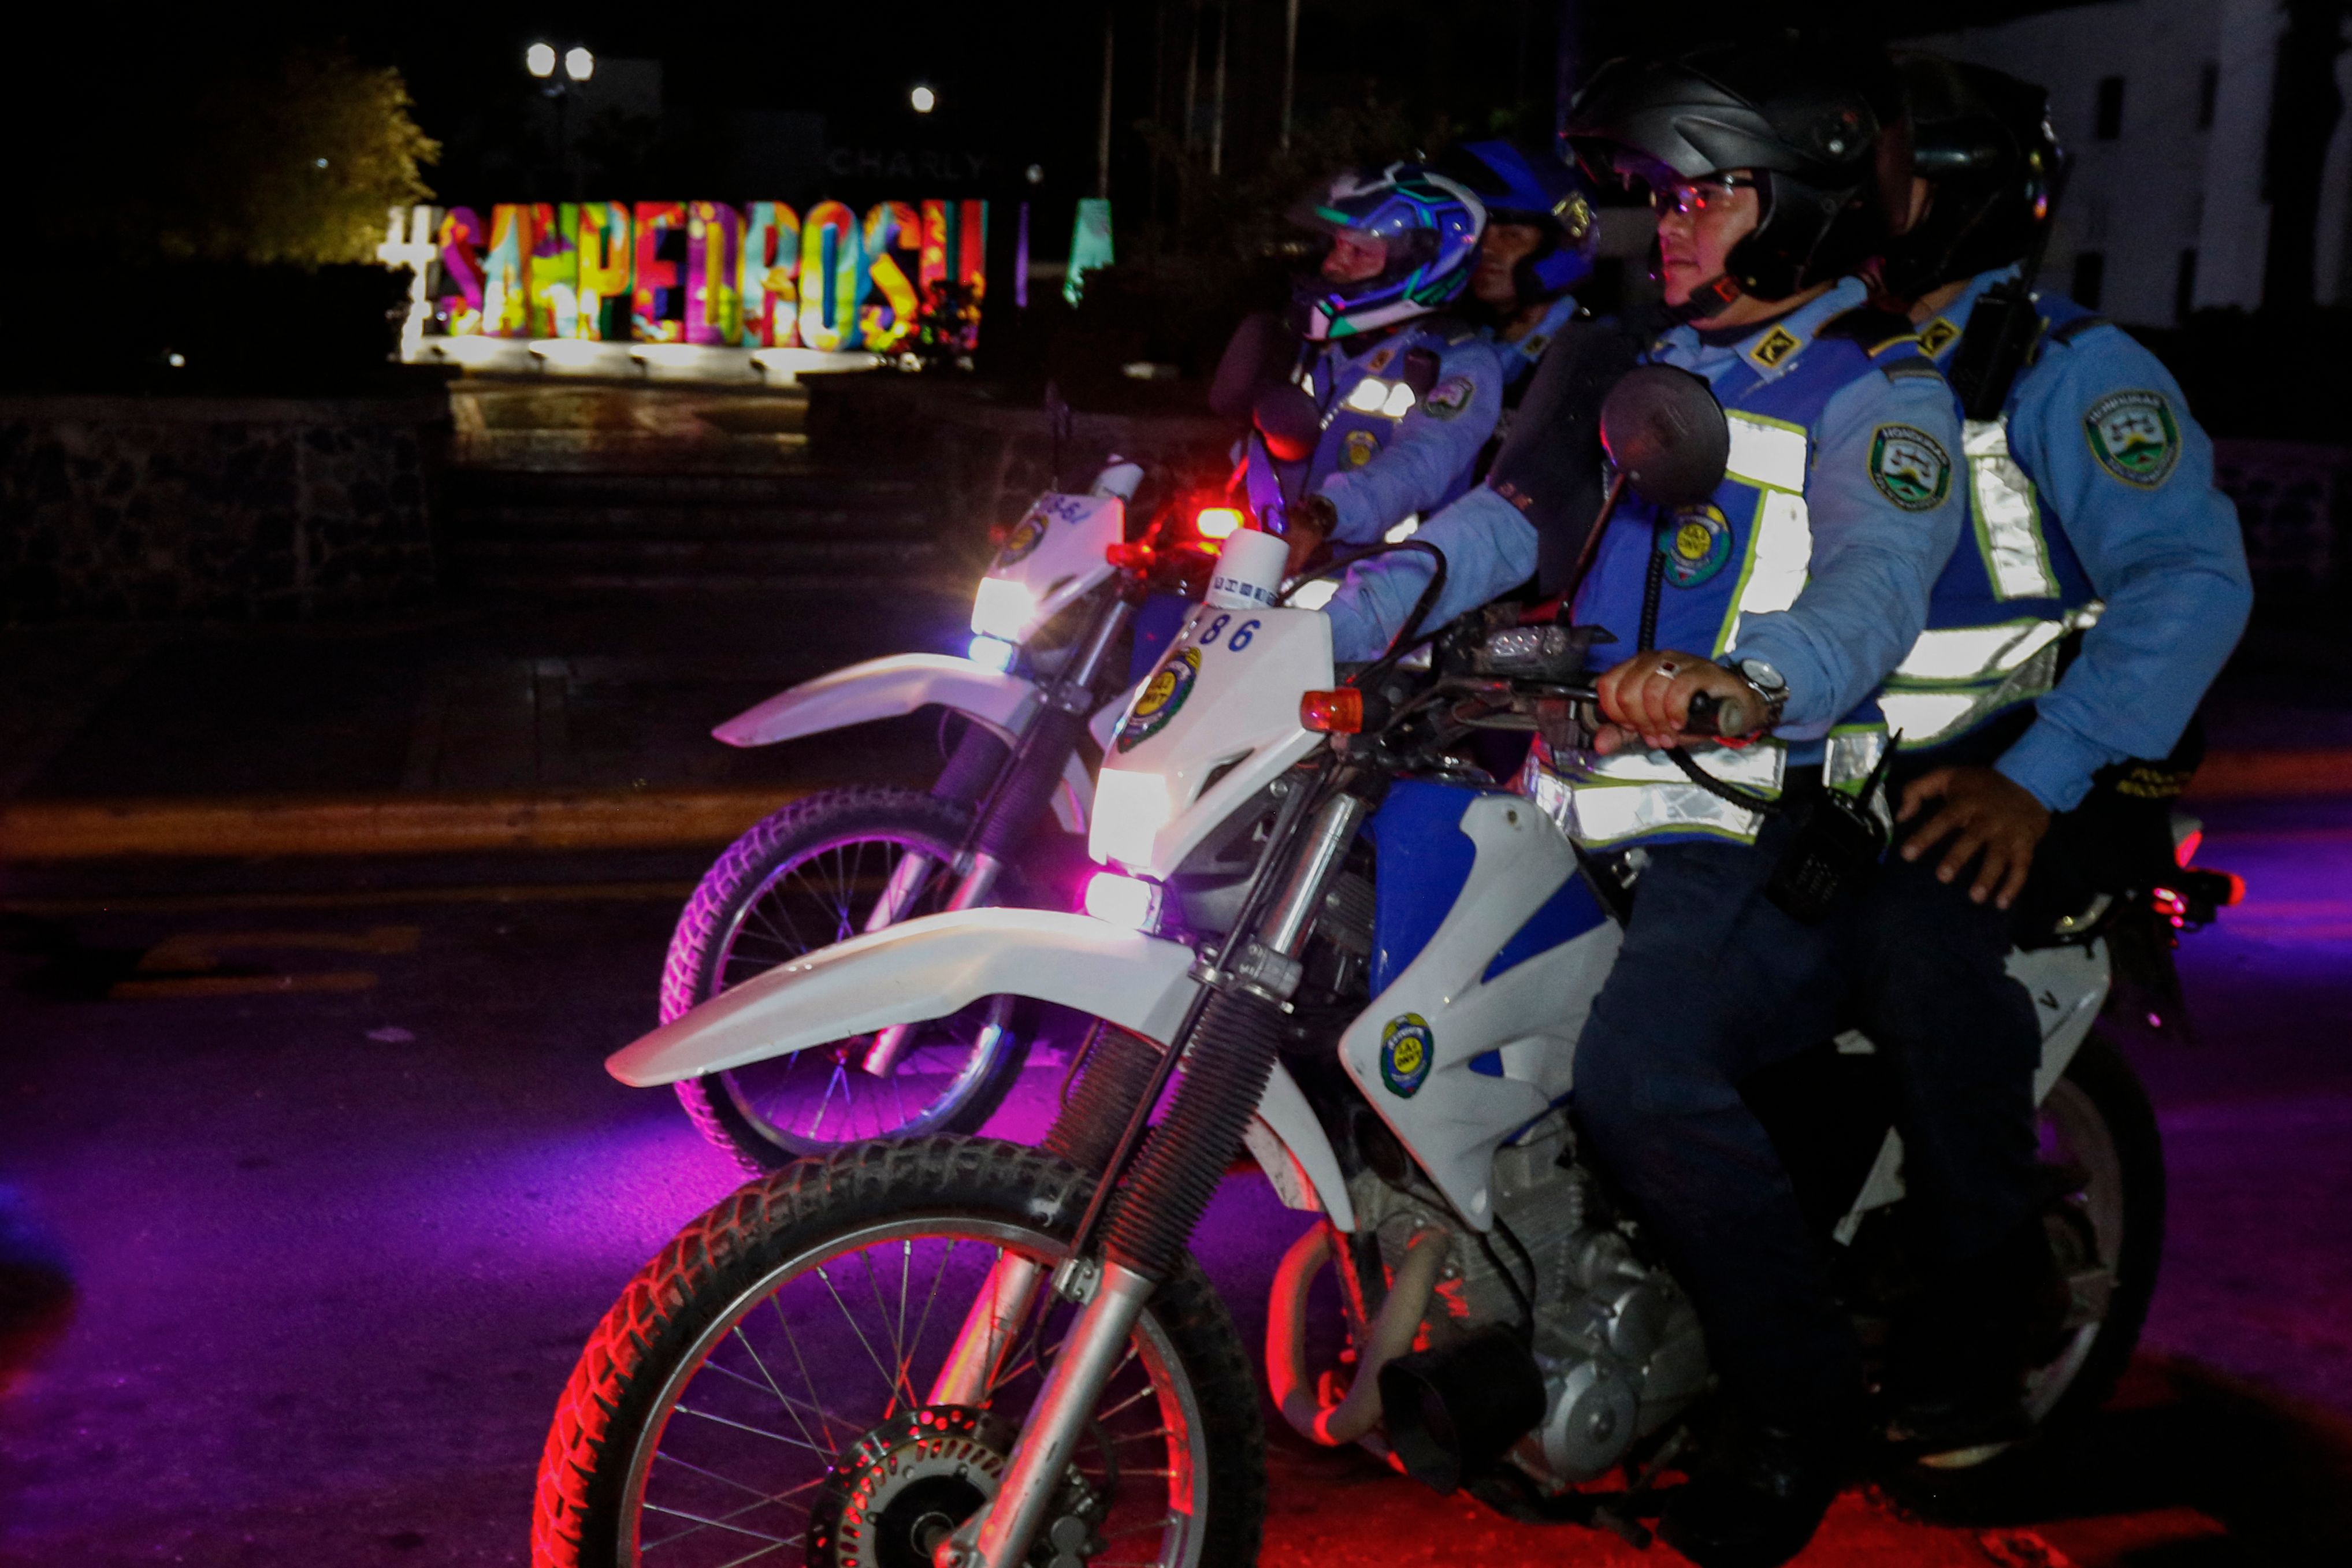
(924, 100)
(579, 64)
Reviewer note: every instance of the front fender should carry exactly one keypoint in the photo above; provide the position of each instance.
(926, 968)
(884, 689)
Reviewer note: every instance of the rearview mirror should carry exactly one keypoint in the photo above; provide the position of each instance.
(1666, 434)
(1289, 420)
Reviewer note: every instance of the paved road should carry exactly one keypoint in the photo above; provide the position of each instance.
(341, 1189)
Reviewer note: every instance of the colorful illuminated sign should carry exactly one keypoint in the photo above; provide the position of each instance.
(758, 276)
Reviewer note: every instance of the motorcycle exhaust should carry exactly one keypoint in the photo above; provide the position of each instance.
(1453, 1413)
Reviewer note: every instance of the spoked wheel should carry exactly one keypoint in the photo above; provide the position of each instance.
(770, 1389)
(812, 875)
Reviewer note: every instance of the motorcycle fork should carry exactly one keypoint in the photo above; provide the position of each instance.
(999, 1534)
(1029, 779)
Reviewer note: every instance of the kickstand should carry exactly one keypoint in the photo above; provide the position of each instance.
(1622, 1518)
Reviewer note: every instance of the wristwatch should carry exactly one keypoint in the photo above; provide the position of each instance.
(1770, 684)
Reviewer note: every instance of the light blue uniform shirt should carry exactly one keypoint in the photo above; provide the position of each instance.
(2167, 560)
(1866, 596)
(1435, 442)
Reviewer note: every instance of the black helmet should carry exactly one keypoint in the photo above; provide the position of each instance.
(1983, 140)
(1820, 124)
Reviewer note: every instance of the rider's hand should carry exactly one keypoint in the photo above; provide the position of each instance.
(1989, 811)
(1308, 524)
(1647, 698)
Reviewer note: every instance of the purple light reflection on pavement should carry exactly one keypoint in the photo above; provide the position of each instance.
(2257, 1119)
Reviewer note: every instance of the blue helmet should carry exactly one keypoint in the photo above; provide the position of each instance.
(1538, 190)
(1428, 225)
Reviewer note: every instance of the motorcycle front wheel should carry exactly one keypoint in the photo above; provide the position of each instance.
(806, 878)
(762, 1391)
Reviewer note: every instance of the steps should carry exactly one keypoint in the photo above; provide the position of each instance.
(795, 526)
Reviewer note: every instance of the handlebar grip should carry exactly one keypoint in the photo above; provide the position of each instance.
(1703, 709)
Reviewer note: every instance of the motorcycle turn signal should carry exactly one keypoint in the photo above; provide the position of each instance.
(1338, 713)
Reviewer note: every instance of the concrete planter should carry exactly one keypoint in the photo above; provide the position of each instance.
(249, 508)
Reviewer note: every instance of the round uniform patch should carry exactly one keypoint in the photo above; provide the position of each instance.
(1408, 1050)
(2134, 437)
(1449, 397)
(1027, 535)
(1361, 447)
(1696, 543)
(1910, 467)
(1159, 700)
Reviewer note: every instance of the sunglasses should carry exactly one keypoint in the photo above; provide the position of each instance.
(1689, 197)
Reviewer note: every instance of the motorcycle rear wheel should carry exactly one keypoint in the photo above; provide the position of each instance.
(2109, 1240)
(806, 878)
(758, 1391)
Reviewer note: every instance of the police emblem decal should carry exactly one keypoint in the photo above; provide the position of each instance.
(1361, 447)
(2134, 437)
(1937, 336)
(1449, 397)
(1027, 535)
(1696, 543)
(1774, 347)
(1910, 467)
(1157, 703)
(1408, 1050)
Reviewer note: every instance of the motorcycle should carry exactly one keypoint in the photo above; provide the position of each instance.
(1358, 958)
(1047, 661)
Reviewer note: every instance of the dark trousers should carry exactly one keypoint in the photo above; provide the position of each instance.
(1929, 987)
(1715, 982)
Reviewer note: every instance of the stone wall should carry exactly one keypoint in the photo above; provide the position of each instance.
(249, 508)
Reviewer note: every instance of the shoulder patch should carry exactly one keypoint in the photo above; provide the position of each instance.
(1937, 336)
(1911, 370)
(2134, 437)
(1774, 347)
(1910, 467)
(1449, 397)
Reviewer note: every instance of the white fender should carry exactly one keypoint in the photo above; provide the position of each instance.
(928, 968)
(884, 689)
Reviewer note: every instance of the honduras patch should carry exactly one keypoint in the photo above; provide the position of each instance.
(2134, 437)
(1408, 1050)
(1159, 700)
(1696, 543)
(1910, 467)
(1449, 397)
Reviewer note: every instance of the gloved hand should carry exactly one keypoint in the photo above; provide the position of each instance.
(1310, 522)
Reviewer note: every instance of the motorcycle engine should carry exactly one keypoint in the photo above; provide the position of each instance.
(1617, 1342)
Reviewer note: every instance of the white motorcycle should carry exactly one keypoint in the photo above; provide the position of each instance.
(1366, 963)
(1047, 660)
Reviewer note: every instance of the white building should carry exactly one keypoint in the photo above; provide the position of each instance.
(2165, 105)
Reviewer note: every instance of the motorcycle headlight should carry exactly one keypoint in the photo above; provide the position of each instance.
(1129, 811)
(1129, 901)
(1002, 608)
(993, 652)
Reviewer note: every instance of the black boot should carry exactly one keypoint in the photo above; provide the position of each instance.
(1758, 1495)
(1958, 1376)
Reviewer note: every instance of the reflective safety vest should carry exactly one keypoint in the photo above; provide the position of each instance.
(1364, 394)
(2012, 591)
(1684, 579)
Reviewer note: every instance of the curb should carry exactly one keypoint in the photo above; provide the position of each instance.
(2272, 775)
(649, 819)
(382, 824)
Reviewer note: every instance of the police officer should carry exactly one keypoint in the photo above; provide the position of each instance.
(1538, 245)
(1403, 398)
(1789, 598)
(2092, 499)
